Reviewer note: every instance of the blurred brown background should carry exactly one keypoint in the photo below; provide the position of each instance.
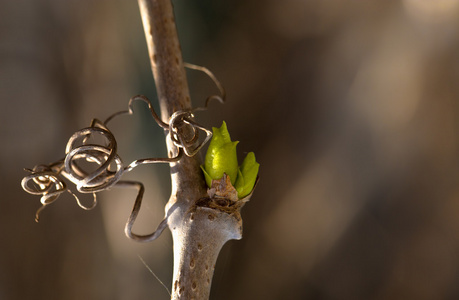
(350, 106)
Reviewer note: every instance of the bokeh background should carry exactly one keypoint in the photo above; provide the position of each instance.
(350, 106)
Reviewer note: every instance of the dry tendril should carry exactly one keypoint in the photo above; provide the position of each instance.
(96, 166)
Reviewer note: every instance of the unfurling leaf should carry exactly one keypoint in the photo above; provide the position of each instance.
(247, 175)
(221, 158)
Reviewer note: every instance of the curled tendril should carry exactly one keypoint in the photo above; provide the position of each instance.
(91, 161)
(220, 98)
(46, 182)
(93, 165)
(185, 132)
(104, 156)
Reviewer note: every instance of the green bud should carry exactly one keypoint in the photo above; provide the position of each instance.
(247, 175)
(221, 159)
(221, 156)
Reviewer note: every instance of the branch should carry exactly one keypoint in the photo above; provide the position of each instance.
(200, 226)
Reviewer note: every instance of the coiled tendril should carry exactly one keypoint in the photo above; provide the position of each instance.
(46, 181)
(105, 157)
(92, 163)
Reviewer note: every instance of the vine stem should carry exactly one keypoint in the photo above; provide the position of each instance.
(199, 231)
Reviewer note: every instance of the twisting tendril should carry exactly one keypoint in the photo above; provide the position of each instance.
(46, 181)
(92, 163)
(220, 98)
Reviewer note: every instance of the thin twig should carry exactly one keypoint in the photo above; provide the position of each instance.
(198, 231)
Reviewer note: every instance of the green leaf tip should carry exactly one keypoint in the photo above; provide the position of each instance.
(247, 175)
(221, 158)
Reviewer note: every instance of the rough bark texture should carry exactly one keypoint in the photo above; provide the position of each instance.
(198, 231)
